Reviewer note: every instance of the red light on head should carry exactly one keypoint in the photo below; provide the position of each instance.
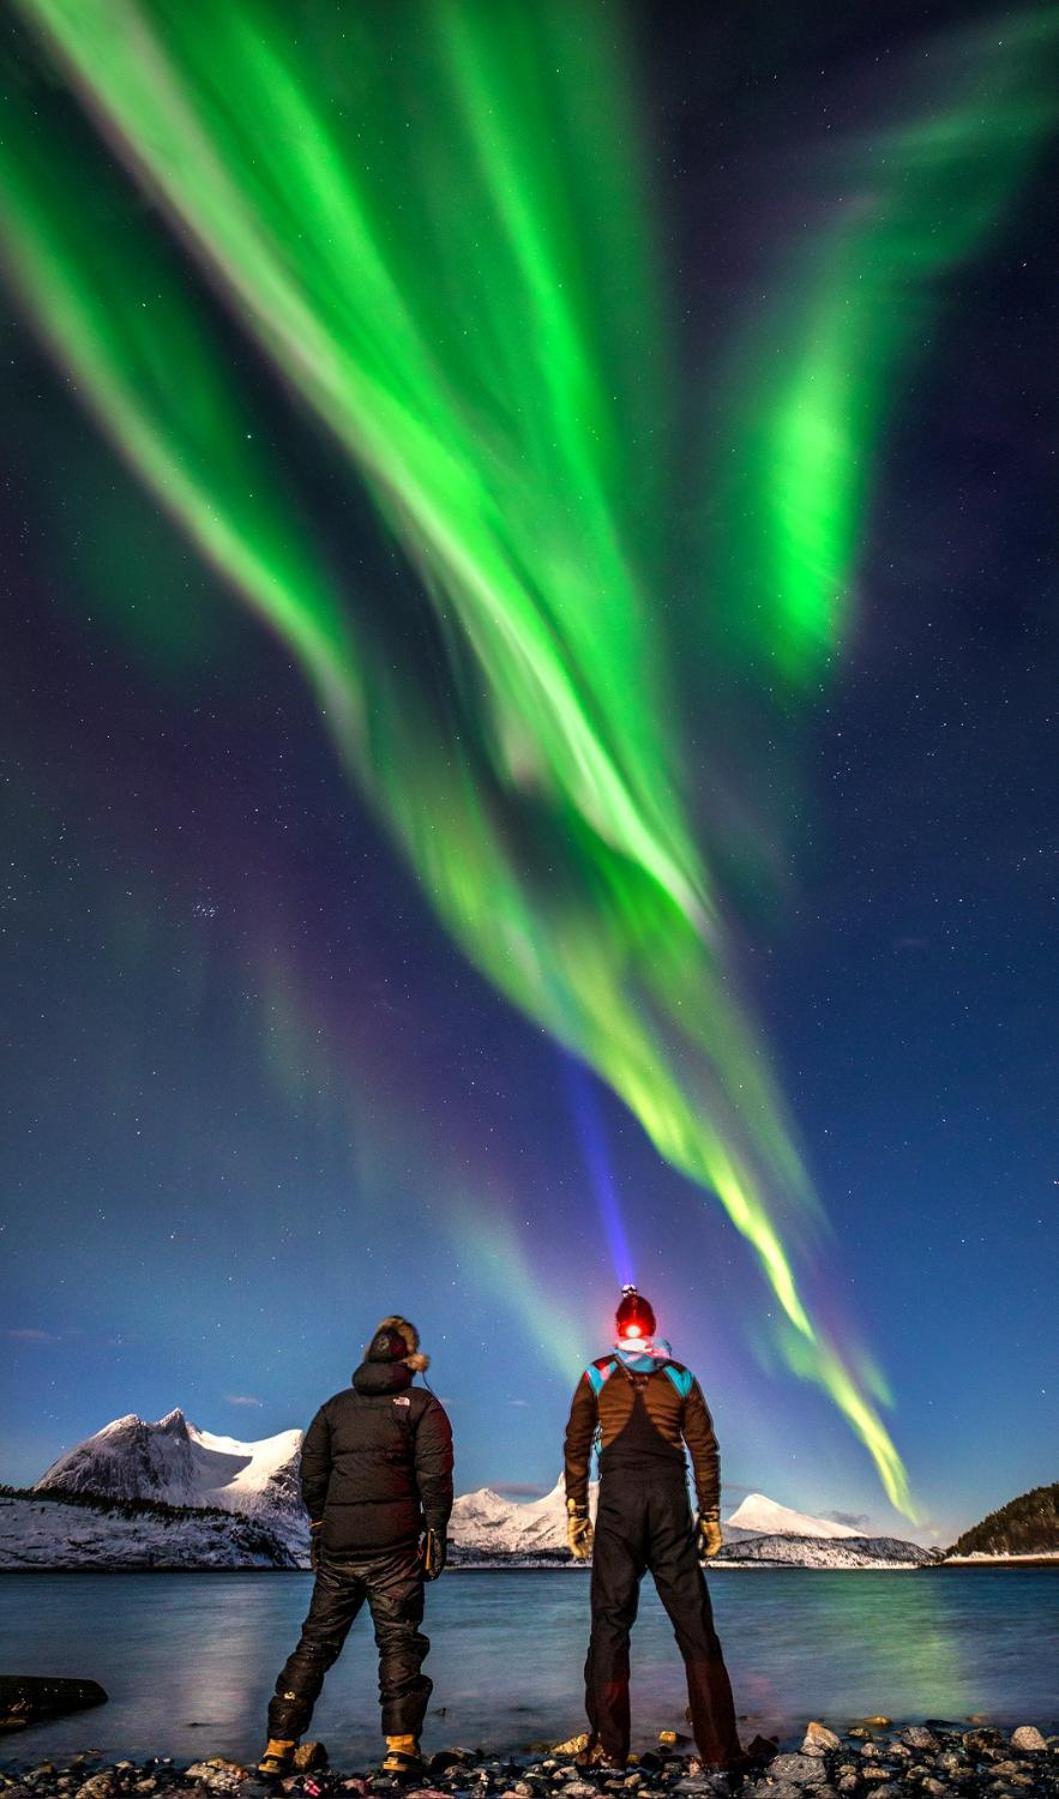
(635, 1318)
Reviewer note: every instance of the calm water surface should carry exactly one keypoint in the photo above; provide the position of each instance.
(189, 1659)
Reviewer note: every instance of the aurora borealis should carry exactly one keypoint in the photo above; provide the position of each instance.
(380, 320)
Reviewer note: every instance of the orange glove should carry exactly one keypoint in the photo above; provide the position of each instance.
(708, 1532)
(578, 1530)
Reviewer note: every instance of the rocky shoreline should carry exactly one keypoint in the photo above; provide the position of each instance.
(872, 1760)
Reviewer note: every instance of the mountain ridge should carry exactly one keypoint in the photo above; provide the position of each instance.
(46, 1529)
(1027, 1525)
(758, 1515)
(172, 1462)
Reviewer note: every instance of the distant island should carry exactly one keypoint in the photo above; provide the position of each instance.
(1025, 1528)
(167, 1495)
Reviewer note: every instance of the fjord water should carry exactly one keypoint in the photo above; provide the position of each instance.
(189, 1659)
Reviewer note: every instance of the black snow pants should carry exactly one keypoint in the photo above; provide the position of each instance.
(644, 1523)
(392, 1584)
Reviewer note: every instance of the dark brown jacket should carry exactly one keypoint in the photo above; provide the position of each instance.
(605, 1398)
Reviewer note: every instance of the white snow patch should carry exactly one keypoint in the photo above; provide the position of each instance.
(759, 1516)
(57, 1533)
(172, 1460)
(486, 1521)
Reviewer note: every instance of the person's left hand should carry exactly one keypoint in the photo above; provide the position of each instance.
(314, 1544)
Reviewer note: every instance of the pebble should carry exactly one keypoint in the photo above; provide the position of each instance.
(798, 1770)
(818, 1739)
(867, 1760)
(219, 1775)
(951, 1763)
(1028, 1738)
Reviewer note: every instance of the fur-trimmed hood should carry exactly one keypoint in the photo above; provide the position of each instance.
(415, 1360)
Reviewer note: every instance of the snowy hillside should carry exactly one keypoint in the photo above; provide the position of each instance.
(173, 1461)
(485, 1525)
(849, 1551)
(492, 1525)
(39, 1532)
(758, 1516)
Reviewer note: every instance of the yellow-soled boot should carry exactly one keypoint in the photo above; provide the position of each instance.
(402, 1756)
(593, 1755)
(278, 1758)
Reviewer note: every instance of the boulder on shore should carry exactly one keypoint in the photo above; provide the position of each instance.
(818, 1739)
(1029, 1739)
(29, 1698)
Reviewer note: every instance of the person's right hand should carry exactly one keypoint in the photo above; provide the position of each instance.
(578, 1530)
(433, 1553)
(708, 1533)
(315, 1531)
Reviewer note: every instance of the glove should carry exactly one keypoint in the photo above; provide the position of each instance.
(314, 1544)
(708, 1533)
(433, 1553)
(578, 1530)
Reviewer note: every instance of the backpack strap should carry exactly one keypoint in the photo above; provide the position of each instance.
(682, 1378)
(599, 1376)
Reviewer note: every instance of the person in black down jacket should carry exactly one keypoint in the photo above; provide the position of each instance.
(376, 1477)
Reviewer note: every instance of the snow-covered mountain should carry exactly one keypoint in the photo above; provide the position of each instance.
(489, 1524)
(486, 1525)
(173, 1461)
(761, 1517)
(38, 1531)
(176, 1463)
(848, 1551)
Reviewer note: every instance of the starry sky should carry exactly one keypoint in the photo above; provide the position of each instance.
(254, 1094)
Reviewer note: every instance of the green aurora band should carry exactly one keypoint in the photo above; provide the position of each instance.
(414, 211)
(812, 387)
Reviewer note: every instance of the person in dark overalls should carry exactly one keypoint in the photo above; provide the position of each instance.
(376, 1477)
(646, 1408)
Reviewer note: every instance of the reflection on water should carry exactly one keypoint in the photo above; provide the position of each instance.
(189, 1660)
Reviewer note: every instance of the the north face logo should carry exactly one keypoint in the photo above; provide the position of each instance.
(402, 1399)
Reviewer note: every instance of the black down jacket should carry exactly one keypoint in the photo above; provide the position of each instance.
(377, 1463)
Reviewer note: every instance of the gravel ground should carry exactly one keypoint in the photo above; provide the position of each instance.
(872, 1760)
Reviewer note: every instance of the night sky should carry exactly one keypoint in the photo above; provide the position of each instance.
(255, 1096)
